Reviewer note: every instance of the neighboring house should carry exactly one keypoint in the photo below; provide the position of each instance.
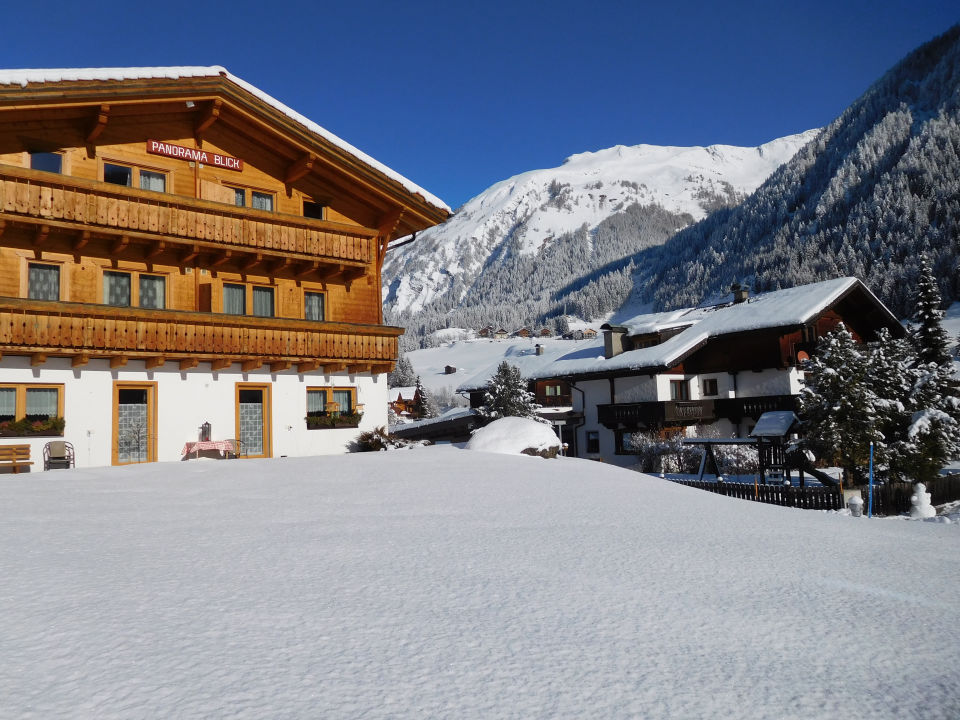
(545, 332)
(179, 248)
(407, 399)
(486, 332)
(589, 334)
(720, 366)
(501, 334)
(523, 333)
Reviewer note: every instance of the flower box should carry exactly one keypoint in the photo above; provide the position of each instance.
(27, 428)
(328, 422)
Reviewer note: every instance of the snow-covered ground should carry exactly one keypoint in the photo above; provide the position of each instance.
(442, 582)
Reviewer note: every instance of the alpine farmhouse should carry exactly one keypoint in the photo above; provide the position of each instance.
(719, 367)
(180, 250)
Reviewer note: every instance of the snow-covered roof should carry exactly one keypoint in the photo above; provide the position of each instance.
(775, 423)
(405, 393)
(55, 75)
(524, 357)
(780, 308)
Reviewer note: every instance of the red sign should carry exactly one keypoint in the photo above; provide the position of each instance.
(155, 147)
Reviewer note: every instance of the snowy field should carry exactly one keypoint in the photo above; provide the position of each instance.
(448, 583)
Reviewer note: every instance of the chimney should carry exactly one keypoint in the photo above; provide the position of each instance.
(539, 349)
(614, 340)
(740, 294)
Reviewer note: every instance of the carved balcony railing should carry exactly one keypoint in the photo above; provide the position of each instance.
(44, 329)
(64, 203)
(688, 412)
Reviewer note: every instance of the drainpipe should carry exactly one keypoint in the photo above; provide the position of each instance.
(583, 405)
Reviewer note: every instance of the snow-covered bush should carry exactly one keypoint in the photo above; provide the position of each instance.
(516, 436)
(380, 439)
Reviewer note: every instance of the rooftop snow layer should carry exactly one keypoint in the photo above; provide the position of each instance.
(781, 308)
(53, 75)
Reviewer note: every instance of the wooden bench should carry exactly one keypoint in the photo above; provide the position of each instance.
(15, 456)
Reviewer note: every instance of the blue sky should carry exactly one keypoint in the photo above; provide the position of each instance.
(458, 96)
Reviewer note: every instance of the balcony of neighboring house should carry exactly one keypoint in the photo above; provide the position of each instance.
(690, 412)
(43, 329)
(46, 204)
(656, 414)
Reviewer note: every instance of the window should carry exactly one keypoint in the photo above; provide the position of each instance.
(132, 176)
(116, 288)
(710, 387)
(593, 442)
(261, 200)
(263, 302)
(48, 162)
(320, 400)
(234, 299)
(313, 210)
(153, 292)
(32, 403)
(552, 390)
(313, 306)
(258, 199)
(679, 390)
(43, 282)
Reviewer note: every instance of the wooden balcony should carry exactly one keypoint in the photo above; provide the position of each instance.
(45, 329)
(688, 412)
(50, 203)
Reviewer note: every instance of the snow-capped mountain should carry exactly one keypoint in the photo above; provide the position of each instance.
(525, 214)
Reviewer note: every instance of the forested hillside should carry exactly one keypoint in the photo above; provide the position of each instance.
(878, 188)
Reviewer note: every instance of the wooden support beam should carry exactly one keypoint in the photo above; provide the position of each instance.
(188, 363)
(280, 366)
(81, 241)
(358, 368)
(3, 226)
(157, 248)
(332, 271)
(120, 244)
(118, 361)
(79, 360)
(279, 264)
(221, 258)
(155, 362)
(189, 254)
(308, 366)
(307, 269)
(220, 363)
(251, 364)
(333, 367)
(40, 237)
(382, 368)
(208, 117)
(38, 359)
(99, 124)
(300, 168)
(252, 261)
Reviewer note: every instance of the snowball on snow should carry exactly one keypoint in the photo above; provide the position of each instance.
(513, 435)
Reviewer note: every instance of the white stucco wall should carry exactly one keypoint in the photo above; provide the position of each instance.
(187, 399)
(768, 382)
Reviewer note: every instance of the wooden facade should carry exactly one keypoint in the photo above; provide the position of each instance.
(179, 249)
(300, 216)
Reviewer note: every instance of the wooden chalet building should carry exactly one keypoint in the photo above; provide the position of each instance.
(179, 248)
(720, 366)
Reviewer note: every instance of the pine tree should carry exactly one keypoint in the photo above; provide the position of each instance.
(890, 375)
(838, 406)
(507, 396)
(928, 336)
(403, 374)
(933, 437)
(426, 406)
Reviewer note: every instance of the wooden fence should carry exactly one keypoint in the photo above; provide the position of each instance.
(811, 498)
(888, 499)
(894, 498)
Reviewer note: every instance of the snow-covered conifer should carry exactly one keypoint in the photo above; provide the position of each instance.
(838, 406)
(928, 336)
(507, 395)
(403, 374)
(426, 406)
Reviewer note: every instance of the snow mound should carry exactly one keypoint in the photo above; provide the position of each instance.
(513, 435)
